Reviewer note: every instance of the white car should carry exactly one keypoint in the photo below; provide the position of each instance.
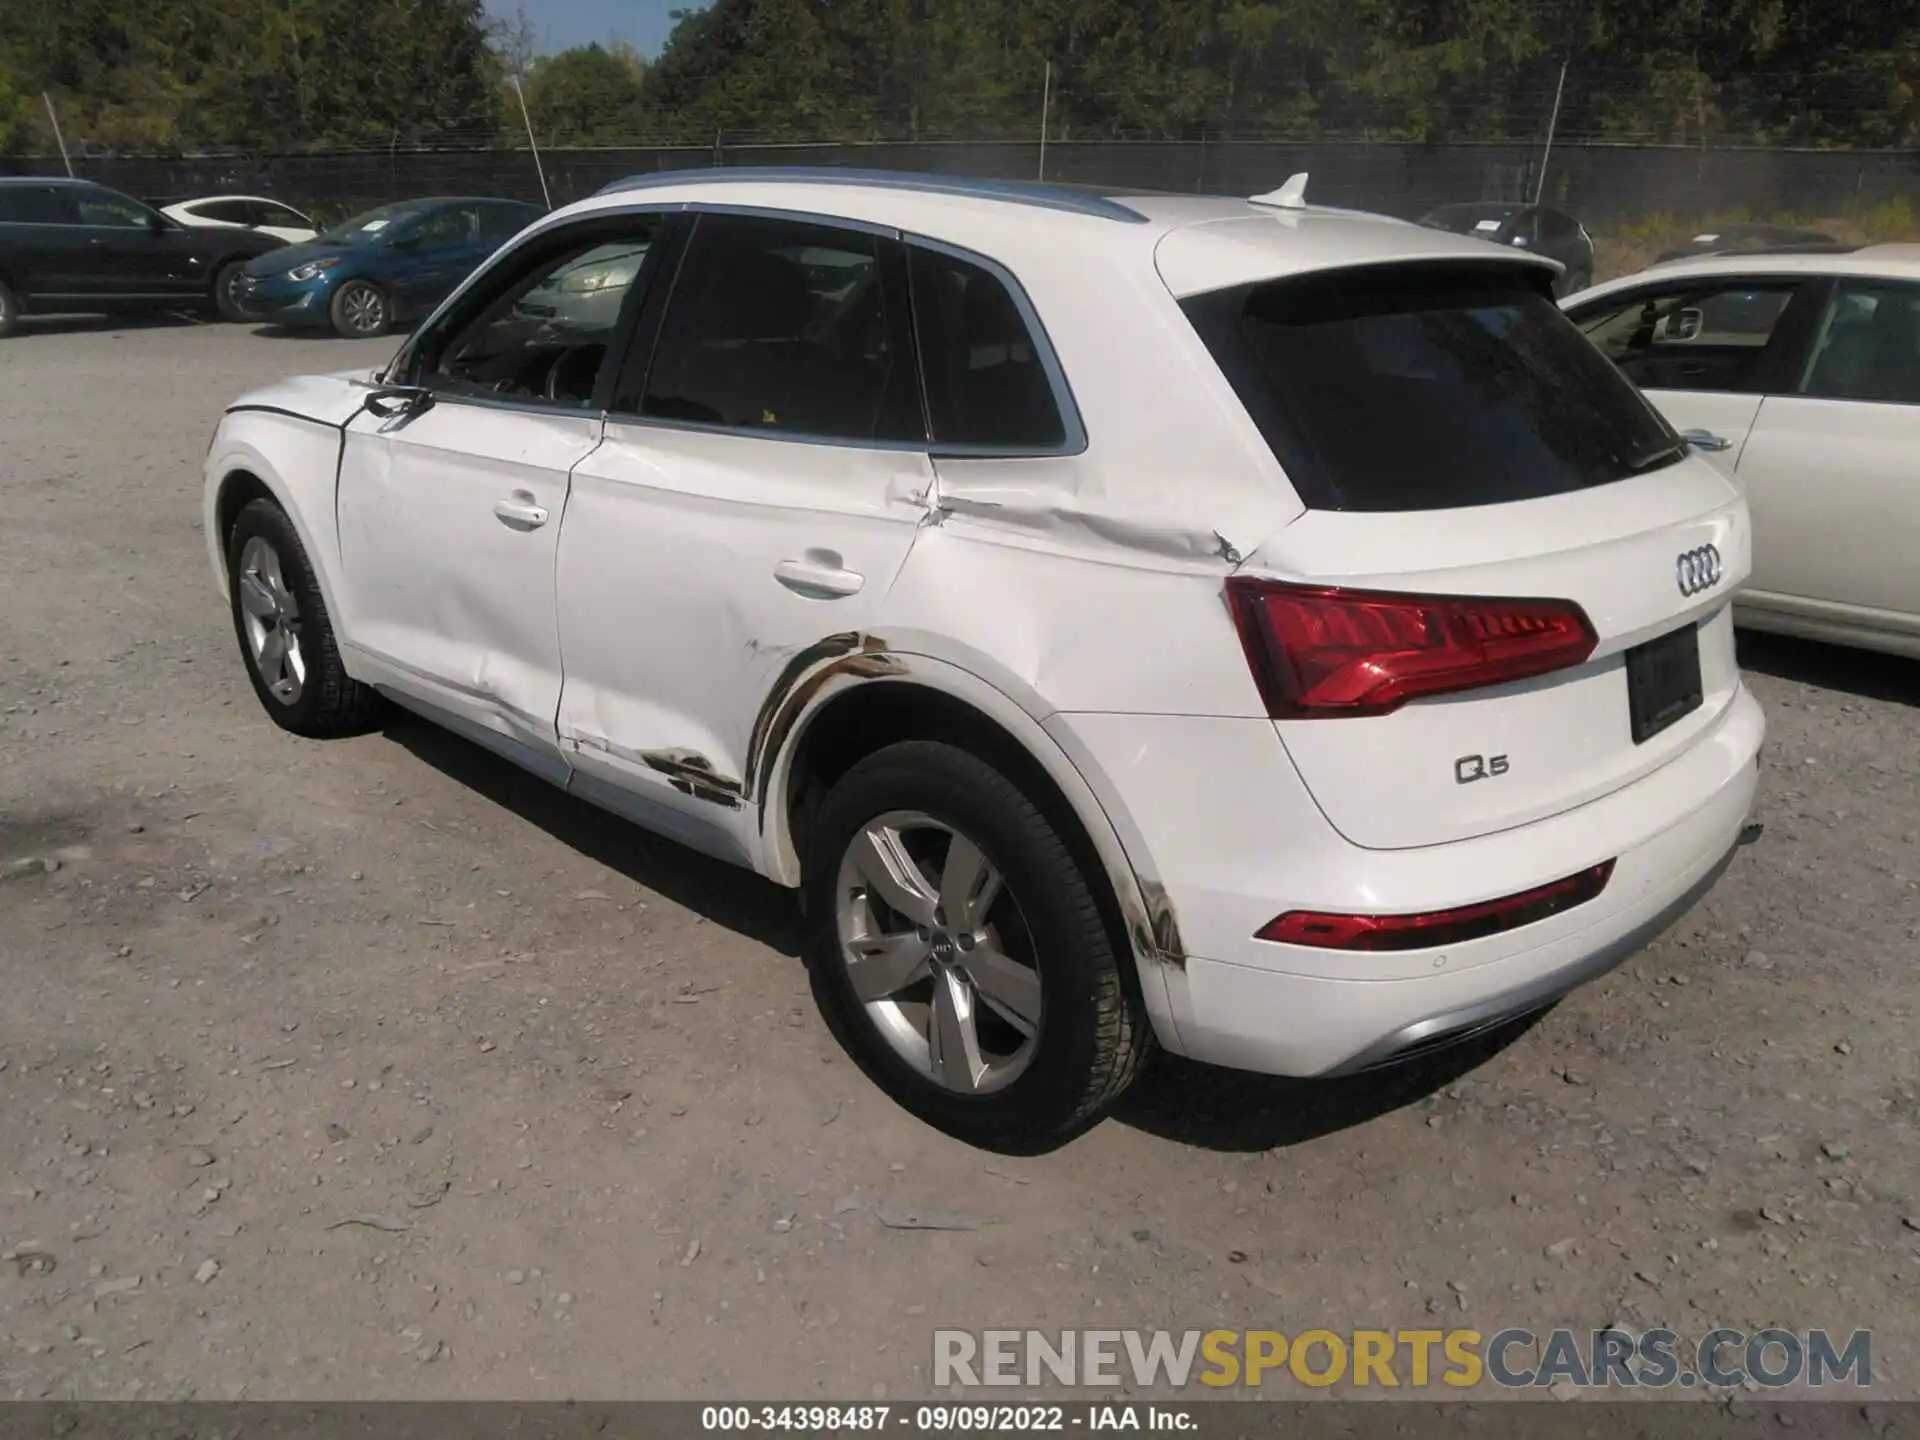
(1268, 631)
(1800, 373)
(245, 212)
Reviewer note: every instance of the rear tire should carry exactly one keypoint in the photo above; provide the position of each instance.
(226, 285)
(360, 310)
(286, 637)
(1018, 972)
(9, 312)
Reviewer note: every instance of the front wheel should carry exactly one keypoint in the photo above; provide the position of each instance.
(285, 634)
(361, 310)
(226, 291)
(960, 953)
(9, 312)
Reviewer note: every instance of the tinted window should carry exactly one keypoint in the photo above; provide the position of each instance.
(781, 326)
(280, 216)
(1711, 335)
(1485, 221)
(500, 223)
(1427, 387)
(1868, 346)
(231, 212)
(987, 381)
(547, 335)
(450, 225)
(372, 225)
(103, 207)
(33, 205)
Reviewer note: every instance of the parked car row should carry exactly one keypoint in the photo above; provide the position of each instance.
(70, 245)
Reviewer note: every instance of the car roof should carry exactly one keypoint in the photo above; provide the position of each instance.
(75, 180)
(1896, 260)
(202, 199)
(1198, 242)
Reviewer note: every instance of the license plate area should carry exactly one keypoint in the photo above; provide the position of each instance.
(1663, 682)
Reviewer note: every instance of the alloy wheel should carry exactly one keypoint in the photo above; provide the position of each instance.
(272, 621)
(364, 309)
(938, 953)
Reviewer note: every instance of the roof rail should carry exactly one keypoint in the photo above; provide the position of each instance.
(1015, 192)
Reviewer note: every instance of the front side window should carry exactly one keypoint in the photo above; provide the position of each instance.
(548, 334)
(787, 327)
(103, 207)
(453, 225)
(986, 375)
(1868, 346)
(1427, 387)
(1708, 335)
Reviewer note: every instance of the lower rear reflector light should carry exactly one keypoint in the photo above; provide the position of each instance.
(1437, 927)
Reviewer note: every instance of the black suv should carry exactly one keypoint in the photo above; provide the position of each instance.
(72, 245)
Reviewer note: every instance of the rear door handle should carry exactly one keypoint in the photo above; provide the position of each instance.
(518, 512)
(1706, 440)
(819, 579)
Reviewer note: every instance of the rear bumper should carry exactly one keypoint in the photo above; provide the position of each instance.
(1290, 1010)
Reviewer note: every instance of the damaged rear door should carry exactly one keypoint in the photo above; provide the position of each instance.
(761, 482)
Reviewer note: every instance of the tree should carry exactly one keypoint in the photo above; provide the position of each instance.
(586, 96)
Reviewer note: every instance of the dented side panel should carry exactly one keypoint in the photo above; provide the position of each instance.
(450, 595)
(703, 579)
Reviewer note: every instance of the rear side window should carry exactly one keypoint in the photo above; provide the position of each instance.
(784, 327)
(1427, 388)
(229, 212)
(987, 378)
(1868, 347)
(33, 205)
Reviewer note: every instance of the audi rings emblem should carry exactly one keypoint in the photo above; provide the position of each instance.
(1698, 570)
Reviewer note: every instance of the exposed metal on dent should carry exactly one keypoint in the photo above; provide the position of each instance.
(691, 773)
(847, 653)
(1155, 932)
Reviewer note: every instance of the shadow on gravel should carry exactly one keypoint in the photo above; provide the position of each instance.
(1229, 1110)
(1832, 667)
(32, 325)
(725, 894)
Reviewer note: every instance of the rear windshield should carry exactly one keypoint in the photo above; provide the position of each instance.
(1467, 219)
(1427, 387)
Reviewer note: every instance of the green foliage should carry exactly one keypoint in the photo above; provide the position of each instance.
(585, 96)
(268, 74)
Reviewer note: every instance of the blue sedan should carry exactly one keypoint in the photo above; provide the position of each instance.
(380, 269)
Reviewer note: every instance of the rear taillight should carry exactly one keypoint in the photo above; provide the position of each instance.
(1318, 651)
(1437, 927)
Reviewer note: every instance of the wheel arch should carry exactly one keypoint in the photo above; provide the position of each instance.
(241, 472)
(851, 715)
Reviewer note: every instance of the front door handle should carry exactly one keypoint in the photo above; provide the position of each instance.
(518, 511)
(819, 577)
(1706, 440)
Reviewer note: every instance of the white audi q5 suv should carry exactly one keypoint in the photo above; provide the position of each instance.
(1262, 630)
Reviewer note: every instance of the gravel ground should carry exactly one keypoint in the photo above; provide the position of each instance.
(375, 1069)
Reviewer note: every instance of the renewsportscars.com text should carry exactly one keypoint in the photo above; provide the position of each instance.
(1513, 1359)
